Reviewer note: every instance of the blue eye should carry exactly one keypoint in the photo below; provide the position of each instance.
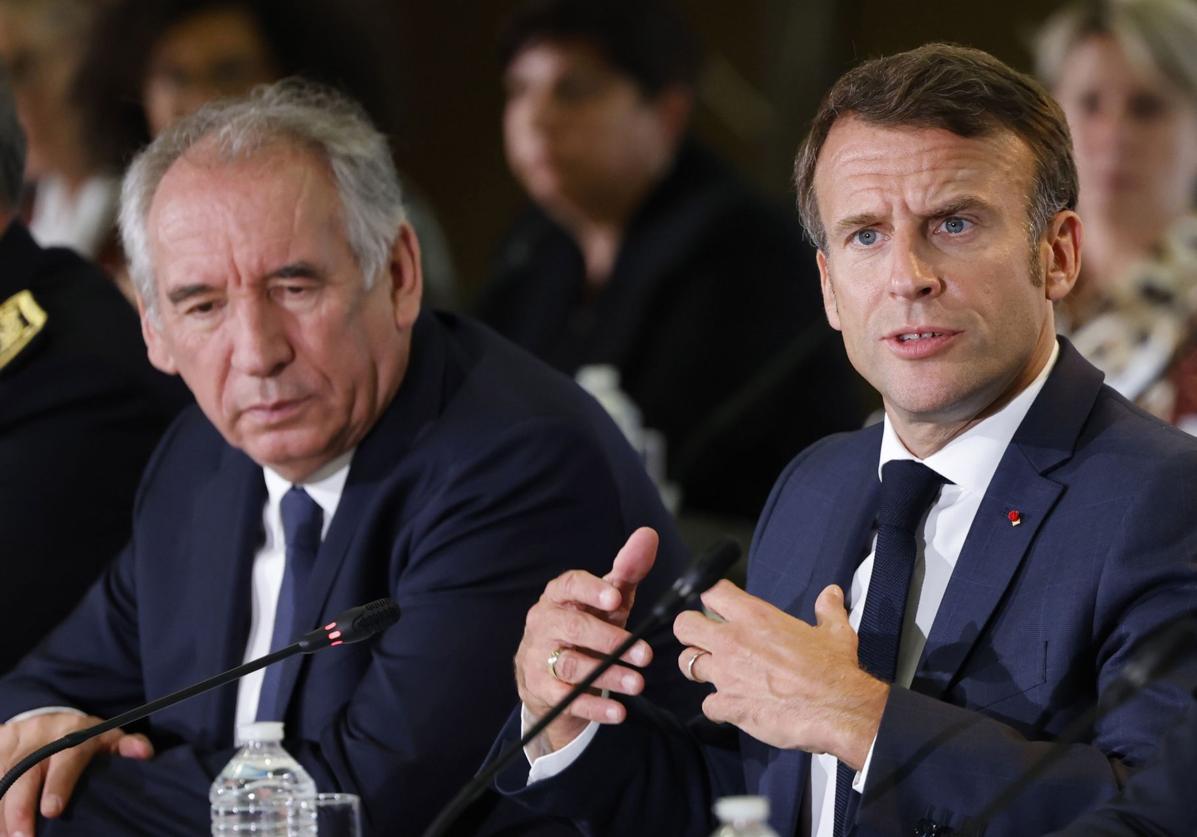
(955, 226)
(866, 238)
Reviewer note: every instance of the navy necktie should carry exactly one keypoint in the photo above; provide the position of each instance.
(907, 491)
(303, 521)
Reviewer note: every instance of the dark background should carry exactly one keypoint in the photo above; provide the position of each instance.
(766, 64)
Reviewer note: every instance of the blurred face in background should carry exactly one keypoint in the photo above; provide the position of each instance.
(580, 136)
(41, 64)
(1134, 132)
(210, 55)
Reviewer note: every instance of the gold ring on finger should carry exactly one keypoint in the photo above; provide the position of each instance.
(552, 661)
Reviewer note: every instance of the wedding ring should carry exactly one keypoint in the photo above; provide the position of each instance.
(553, 658)
(690, 665)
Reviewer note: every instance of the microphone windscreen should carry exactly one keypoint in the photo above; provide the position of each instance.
(368, 619)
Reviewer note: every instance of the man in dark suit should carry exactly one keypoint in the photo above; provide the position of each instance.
(347, 446)
(80, 412)
(906, 645)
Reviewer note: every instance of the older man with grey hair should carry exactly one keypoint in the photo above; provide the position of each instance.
(346, 446)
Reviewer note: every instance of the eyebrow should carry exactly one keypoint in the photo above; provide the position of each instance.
(292, 270)
(953, 207)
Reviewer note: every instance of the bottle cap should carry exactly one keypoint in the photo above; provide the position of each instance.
(742, 808)
(269, 731)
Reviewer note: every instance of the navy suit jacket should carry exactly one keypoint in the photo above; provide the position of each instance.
(486, 476)
(1036, 623)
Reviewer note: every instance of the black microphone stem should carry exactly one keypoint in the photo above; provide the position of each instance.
(697, 578)
(79, 736)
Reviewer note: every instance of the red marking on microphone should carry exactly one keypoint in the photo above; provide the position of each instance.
(338, 642)
(335, 635)
(330, 626)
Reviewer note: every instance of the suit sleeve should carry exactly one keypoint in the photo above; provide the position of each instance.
(652, 774)
(939, 761)
(511, 513)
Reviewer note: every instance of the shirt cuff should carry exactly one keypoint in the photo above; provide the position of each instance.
(862, 775)
(543, 764)
(43, 710)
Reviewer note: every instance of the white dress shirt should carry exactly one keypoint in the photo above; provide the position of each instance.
(969, 462)
(324, 487)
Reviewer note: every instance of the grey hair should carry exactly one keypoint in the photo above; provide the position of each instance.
(1157, 35)
(292, 112)
(12, 147)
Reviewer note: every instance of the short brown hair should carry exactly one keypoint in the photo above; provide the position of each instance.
(962, 90)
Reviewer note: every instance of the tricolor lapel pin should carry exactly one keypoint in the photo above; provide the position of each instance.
(1014, 517)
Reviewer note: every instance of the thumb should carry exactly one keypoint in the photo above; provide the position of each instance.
(830, 611)
(634, 561)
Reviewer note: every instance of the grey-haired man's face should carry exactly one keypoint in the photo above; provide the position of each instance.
(262, 309)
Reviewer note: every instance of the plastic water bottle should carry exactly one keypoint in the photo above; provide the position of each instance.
(743, 816)
(263, 791)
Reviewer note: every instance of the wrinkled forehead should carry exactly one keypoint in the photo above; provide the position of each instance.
(865, 163)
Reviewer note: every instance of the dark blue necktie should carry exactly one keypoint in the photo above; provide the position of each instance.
(303, 520)
(907, 491)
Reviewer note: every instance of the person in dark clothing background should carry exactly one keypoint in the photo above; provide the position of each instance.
(80, 411)
(645, 252)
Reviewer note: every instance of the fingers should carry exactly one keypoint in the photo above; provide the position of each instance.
(578, 587)
(693, 662)
(20, 802)
(572, 667)
(693, 628)
(729, 601)
(135, 746)
(829, 608)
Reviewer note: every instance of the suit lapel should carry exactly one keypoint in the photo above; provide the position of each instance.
(228, 526)
(995, 548)
(782, 775)
(417, 404)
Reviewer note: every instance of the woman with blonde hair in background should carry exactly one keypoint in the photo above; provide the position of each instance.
(1125, 72)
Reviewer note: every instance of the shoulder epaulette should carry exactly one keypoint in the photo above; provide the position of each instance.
(21, 318)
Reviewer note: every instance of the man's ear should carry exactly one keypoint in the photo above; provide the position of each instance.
(1061, 248)
(156, 346)
(406, 277)
(829, 305)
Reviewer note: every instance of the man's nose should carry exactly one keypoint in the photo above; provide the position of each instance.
(261, 346)
(912, 272)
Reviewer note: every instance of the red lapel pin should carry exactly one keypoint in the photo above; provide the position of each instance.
(1014, 517)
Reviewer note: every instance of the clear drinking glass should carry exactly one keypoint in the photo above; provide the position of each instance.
(338, 815)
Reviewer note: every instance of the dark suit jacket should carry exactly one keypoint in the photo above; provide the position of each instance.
(80, 412)
(1035, 624)
(712, 316)
(485, 477)
(1158, 799)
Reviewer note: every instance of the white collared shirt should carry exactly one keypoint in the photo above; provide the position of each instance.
(969, 461)
(324, 487)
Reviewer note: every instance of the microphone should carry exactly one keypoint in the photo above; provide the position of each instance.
(353, 625)
(698, 577)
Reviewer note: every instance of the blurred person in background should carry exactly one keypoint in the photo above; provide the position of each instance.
(72, 176)
(180, 54)
(644, 252)
(80, 411)
(1125, 72)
